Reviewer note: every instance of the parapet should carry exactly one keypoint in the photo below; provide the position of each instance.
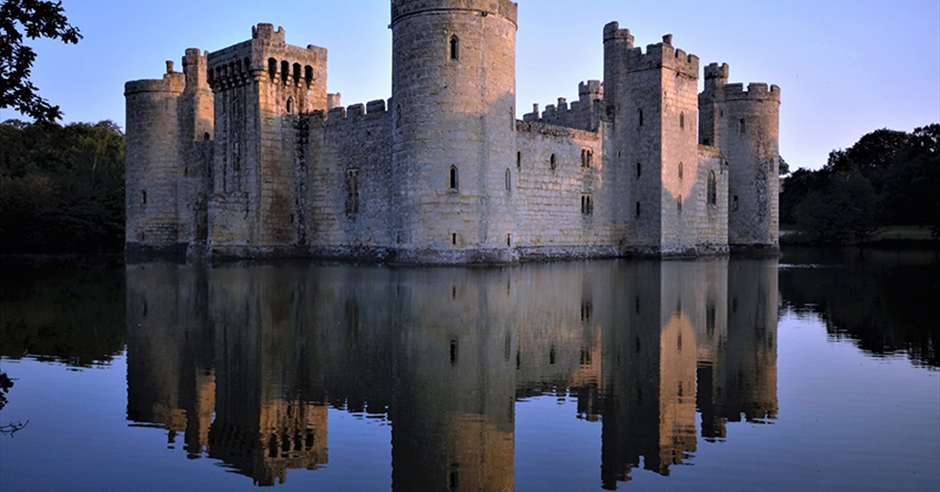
(754, 92)
(339, 114)
(591, 90)
(407, 8)
(172, 82)
(266, 32)
(612, 32)
(663, 55)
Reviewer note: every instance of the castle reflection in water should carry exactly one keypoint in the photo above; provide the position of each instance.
(241, 363)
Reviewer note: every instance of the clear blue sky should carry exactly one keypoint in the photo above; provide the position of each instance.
(845, 67)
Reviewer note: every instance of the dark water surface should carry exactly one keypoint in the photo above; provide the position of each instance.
(817, 371)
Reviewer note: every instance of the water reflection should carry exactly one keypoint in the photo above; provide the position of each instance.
(445, 355)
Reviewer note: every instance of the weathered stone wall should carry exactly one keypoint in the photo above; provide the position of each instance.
(583, 114)
(563, 207)
(453, 93)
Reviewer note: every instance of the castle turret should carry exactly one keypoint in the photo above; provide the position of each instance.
(652, 106)
(260, 87)
(453, 103)
(152, 157)
(748, 135)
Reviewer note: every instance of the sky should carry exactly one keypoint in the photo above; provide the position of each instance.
(845, 67)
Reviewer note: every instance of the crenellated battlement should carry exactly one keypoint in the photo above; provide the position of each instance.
(613, 33)
(578, 114)
(266, 56)
(406, 8)
(755, 92)
(663, 55)
(349, 113)
(173, 82)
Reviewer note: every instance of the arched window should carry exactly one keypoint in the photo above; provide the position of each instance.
(308, 75)
(272, 68)
(734, 203)
(518, 160)
(285, 71)
(205, 136)
(682, 121)
(290, 105)
(553, 162)
(296, 73)
(680, 170)
(508, 180)
(679, 204)
(454, 178)
(454, 48)
(712, 188)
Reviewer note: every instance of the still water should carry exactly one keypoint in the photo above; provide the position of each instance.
(814, 372)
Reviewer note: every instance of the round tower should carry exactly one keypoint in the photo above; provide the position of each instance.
(453, 126)
(152, 164)
(749, 132)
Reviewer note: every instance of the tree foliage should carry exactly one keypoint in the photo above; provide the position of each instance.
(886, 178)
(34, 19)
(61, 188)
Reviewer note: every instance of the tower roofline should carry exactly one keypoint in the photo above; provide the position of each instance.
(407, 8)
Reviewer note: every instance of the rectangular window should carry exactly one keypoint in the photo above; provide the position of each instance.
(587, 157)
(587, 206)
(352, 191)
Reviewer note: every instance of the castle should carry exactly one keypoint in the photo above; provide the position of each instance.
(245, 155)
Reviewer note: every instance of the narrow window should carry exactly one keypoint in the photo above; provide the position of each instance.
(553, 162)
(508, 180)
(587, 157)
(639, 169)
(682, 121)
(741, 124)
(308, 75)
(638, 210)
(296, 73)
(352, 191)
(680, 170)
(285, 71)
(509, 240)
(640, 116)
(272, 68)
(519, 160)
(679, 204)
(453, 241)
(734, 203)
(453, 351)
(710, 319)
(205, 137)
(551, 355)
(587, 206)
(512, 119)
(290, 105)
(453, 178)
(712, 188)
(454, 48)
(143, 197)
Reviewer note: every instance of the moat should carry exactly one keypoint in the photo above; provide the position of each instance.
(814, 371)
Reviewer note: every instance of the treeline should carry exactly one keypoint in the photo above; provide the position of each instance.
(61, 187)
(887, 178)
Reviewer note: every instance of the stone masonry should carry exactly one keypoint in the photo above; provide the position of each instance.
(245, 155)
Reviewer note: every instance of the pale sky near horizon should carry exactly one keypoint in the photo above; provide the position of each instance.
(845, 68)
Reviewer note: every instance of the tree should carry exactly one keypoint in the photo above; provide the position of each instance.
(35, 19)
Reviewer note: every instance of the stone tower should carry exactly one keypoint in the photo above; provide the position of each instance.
(745, 125)
(653, 107)
(260, 87)
(169, 123)
(453, 135)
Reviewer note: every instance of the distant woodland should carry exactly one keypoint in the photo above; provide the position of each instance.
(61, 187)
(888, 178)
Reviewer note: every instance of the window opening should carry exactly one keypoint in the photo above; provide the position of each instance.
(587, 207)
(454, 48)
(308, 75)
(272, 68)
(680, 170)
(712, 188)
(508, 180)
(290, 105)
(741, 124)
(553, 162)
(679, 204)
(587, 157)
(352, 191)
(639, 169)
(519, 160)
(296, 73)
(454, 183)
(640, 115)
(682, 121)
(143, 197)
(285, 71)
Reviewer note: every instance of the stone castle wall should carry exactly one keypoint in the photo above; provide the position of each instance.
(245, 154)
